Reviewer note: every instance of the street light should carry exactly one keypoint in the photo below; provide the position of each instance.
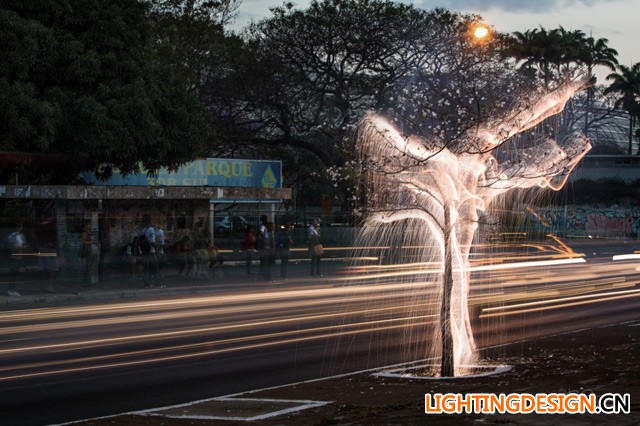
(480, 32)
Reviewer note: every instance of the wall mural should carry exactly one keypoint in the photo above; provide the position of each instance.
(585, 220)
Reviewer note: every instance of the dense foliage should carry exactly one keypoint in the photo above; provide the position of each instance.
(92, 83)
(81, 80)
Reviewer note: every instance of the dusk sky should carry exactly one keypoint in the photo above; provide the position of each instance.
(616, 20)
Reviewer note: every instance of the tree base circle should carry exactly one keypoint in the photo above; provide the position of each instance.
(432, 372)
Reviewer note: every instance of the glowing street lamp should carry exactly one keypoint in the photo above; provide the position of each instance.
(480, 32)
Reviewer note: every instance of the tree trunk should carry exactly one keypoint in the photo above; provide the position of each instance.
(447, 361)
(630, 150)
(588, 108)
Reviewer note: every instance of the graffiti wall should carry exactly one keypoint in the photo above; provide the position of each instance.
(586, 220)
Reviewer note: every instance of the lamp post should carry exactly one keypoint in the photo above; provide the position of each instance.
(480, 32)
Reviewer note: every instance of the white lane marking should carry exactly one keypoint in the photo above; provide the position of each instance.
(301, 405)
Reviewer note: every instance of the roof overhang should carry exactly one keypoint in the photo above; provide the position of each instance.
(73, 192)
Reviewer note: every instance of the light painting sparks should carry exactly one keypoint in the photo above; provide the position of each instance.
(437, 192)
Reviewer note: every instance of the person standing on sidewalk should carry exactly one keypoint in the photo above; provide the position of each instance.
(160, 248)
(17, 245)
(133, 256)
(315, 248)
(86, 250)
(46, 235)
(181, 250)
(260, 240)
(147, 243)
(267, 252)
(249, 247)
(283, 249)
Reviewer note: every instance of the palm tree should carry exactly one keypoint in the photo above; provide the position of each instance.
(627, 82)
(572, 45)
(548, 51)
(596, 53)
(545, 50)
(519, 46)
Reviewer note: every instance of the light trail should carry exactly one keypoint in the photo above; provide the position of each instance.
(533, 264)
(192, 313)
(491, 267)
(49, 342)
(165, 358)
(592, 299)
(626, 257)
(198, 331)
(556, 291)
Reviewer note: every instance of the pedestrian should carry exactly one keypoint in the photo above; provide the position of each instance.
(283, 249)
(315, 248)
(147, 243)
(215, 258)
(181, 250)
(160, 248)
(260, 239)
(46, 235)
(133, 256)
(86, 254)
(267, 252)
(17, 245)
(249, 247)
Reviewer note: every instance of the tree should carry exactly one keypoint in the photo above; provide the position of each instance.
(442, 186)
(595, 53)
(463, 129)
(339, 57)
(307, 76)
(593, 112)
(191, 36)
(82, 81)
(626, 82)
(561, 53)
(556, 51)
(539, 49)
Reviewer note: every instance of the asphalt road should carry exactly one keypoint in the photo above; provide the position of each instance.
(82, 360)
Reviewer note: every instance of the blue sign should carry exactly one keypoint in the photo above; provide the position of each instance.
(207, 172)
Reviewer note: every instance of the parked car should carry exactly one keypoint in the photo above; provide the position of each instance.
(223, 224)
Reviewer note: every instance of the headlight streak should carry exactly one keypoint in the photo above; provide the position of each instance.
(492, 267)
(206, 301)
(558, 303)
(555, 291)
(163, 358)
(262, 319)
(199, 331)
(192, 313)
(533, 264)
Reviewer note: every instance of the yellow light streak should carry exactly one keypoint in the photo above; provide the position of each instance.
(199, 331)
(208, 301)
(149, 353)
(527, 264)
(594, 299)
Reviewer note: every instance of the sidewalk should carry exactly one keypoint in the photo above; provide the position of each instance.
(598, 360)
(118, 285)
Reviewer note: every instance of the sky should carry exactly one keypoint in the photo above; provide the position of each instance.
(615, 20)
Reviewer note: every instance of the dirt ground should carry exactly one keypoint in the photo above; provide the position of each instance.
(597, 360)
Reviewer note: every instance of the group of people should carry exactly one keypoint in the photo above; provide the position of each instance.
(270, 245)
(148, 253)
